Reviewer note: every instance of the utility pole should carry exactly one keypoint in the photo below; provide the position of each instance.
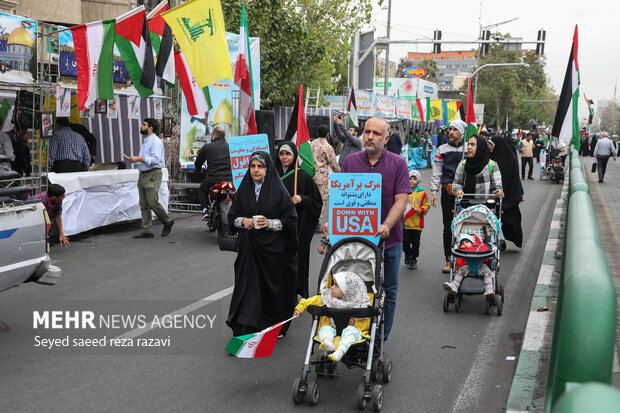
(387, 50)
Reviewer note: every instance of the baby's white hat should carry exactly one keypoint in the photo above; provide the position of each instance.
(467, 237)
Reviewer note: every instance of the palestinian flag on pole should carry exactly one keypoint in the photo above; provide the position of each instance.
(94, 54)
(566, 123)
(251, 346)
(198, 99)
(133, 40)
(470, 115)
(297, 132)
(162, 42)
(243, 79)
(352, 109)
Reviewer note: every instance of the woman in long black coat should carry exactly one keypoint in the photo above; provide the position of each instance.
(266, 265)
(308, 203)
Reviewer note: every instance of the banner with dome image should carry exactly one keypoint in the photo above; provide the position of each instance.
(18, 59)
(196, 130)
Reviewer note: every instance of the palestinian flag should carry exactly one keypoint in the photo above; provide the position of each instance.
(251, 346)
(162, 42)
(566, 124)
(198, 99)
(94, 54)
(297, 132)
(352, 108)
(243, 79)
(133, 40)
(470, 115)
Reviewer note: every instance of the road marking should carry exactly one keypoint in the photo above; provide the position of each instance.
(181, 311)
(552, 244)
(535, 331)
(555, 224)
(546, 274)
(475, 385)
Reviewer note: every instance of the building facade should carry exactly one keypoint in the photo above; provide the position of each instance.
(450, 64)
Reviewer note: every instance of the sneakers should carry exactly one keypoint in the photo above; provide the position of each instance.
(413, 264)
(327, 345)
(450, 287)
(446, 268)
(205, 215)
(407, 260)
(488, 290)
(336, 355)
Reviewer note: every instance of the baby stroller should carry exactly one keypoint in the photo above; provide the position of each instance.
(363, 258)
(479, 215)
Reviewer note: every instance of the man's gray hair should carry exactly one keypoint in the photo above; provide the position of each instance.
(387, 125)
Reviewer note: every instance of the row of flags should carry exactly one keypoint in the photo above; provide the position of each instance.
(203, 58)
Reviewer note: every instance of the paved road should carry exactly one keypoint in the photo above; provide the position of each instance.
(443, 362)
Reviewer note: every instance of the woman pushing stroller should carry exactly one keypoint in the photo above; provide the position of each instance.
(477, 174)
(347, 291)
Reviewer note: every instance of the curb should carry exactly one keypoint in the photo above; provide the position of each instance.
(525, 384)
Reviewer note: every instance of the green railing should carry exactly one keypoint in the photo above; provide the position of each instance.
(585, 323)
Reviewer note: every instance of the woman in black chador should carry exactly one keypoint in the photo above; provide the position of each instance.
(308, 203)
(266, 265)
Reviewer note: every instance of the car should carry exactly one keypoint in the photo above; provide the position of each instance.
(24, 250)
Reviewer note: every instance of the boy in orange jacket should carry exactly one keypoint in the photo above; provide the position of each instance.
(417, 207)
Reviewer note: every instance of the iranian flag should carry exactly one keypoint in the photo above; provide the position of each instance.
(352, 108)
(198, 99)
(162, 42)
(243, 79)
(418, 102)
(297, 132)
(566, 124)
(470, 115)
(251, 346)
(133, 40)
(94, 54)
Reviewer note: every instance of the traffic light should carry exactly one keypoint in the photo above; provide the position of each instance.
(540, 47)
(437, 43)
(484, 49)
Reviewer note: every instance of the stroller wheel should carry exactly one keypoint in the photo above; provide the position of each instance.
(298, 395)
(377, 397)
(386, 371)
(502, 245)
(501, 292)
(457, 302)
(375, 370)
(499, 303)
(446, 302)
(487, 305)
(313, 392)
(361, 400)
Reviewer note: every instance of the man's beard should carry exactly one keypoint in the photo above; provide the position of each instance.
(144, 131)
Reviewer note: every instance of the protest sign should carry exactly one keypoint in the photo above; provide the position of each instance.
(241, 147)
(354, 206)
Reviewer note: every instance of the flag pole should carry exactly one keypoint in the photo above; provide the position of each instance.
(295, 184)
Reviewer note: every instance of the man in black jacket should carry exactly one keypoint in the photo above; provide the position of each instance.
(217, 156)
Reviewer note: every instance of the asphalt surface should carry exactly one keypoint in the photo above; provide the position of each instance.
(442, 361)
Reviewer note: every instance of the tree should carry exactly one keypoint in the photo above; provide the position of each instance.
(302, 41)
(431, 69)
(403, 63)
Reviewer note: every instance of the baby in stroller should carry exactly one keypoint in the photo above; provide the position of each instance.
(347, 291)
(470, 242)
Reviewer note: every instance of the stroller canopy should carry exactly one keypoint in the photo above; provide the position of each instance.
(477, 216)
(356, 257)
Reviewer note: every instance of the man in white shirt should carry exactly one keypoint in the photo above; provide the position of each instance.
(602, 152)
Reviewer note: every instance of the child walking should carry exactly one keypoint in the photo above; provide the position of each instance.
(417, 207)
(469, 242)
(347, 291)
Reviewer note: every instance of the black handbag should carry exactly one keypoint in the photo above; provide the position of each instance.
(594, 167)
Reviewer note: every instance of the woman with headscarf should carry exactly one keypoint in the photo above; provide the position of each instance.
(266, 265)
(476, 175)
(308, 203)
(504, 156)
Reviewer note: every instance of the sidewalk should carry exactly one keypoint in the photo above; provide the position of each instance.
(606, 200)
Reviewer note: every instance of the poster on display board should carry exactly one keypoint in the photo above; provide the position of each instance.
(385, 106)
(113, 108)
(133, 107)
(403, 108)
(18, 61)
(158, 112)
(354, 206)
(241, 147)
(196, 129)
(364, 102)
(67, 68)
(63, 102)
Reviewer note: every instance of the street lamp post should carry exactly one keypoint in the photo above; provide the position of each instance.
(490, 65)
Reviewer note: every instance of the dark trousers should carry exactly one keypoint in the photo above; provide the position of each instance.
(205, 190)
(67, 166)
(526, 161)
(411, 243)
(447, 206)
(601, 166)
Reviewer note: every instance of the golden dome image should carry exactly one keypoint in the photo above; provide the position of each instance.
(22, 37)
(222, 115)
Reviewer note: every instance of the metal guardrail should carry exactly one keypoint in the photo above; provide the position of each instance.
(585, 323)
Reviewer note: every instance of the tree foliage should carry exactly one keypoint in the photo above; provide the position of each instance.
(302, 41)
(504, 90)
(432, 70)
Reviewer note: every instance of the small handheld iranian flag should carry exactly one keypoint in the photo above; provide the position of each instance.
(256, 345)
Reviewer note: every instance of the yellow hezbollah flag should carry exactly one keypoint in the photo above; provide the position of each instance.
(436, 109)
(451, 111)
(199, 28)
